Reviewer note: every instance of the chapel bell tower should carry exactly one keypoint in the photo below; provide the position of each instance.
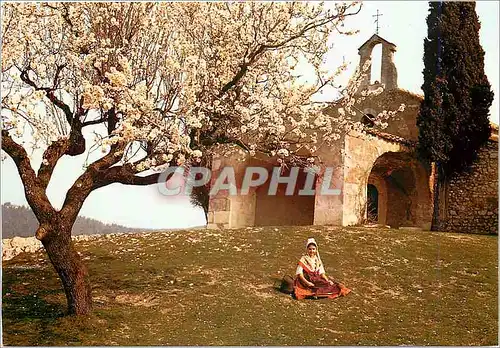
(388, 73)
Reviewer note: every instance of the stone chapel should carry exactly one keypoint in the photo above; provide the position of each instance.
(380, 178)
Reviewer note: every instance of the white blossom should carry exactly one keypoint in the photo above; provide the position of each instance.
(171, 73)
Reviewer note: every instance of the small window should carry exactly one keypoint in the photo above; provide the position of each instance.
(367, 120)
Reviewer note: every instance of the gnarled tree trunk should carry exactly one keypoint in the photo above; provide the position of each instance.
(55, 226)
(56, 238)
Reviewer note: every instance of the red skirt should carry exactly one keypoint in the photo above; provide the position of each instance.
(321, 289)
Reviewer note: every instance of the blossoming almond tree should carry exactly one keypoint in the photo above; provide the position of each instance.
(166, 83)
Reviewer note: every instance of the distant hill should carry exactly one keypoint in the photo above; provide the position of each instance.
(20, 221)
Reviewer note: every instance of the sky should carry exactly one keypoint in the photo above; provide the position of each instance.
(402, 23)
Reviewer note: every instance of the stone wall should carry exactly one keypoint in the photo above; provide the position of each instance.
(328, 208)
(281, 210)
(471, 199)
(227, 211)
(403, 123)
(11, 247)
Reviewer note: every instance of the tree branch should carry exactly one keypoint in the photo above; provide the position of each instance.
(49, 92)
(76, 139)
(244, 66)
(127, 176)
(35, 194)
(50, 158)
(93, 122)
(101, 173)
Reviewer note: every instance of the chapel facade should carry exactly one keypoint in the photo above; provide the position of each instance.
(377, 173)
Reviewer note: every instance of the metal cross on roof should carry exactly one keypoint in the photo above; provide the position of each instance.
(376, 20)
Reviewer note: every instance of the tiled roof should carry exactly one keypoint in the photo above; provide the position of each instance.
(411, 143)
(390, 137)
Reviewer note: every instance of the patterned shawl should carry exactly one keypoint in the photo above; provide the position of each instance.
(309, 264)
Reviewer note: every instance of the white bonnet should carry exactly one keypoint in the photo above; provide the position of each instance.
(311, 241)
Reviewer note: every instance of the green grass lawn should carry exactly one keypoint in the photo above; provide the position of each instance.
(206, 287)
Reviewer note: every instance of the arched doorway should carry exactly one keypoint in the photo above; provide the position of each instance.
(372, 204)
(402, 187)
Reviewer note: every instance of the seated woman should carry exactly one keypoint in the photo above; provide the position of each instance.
(311, 280)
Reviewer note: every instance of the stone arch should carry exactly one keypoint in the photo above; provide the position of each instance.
(404, 186)
(364, 164)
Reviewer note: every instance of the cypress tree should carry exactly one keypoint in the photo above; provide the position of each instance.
(453, 118)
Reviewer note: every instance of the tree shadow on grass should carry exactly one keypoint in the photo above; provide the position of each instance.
(34, 308)
(23, 294)
(28, 319)
(28, 307)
